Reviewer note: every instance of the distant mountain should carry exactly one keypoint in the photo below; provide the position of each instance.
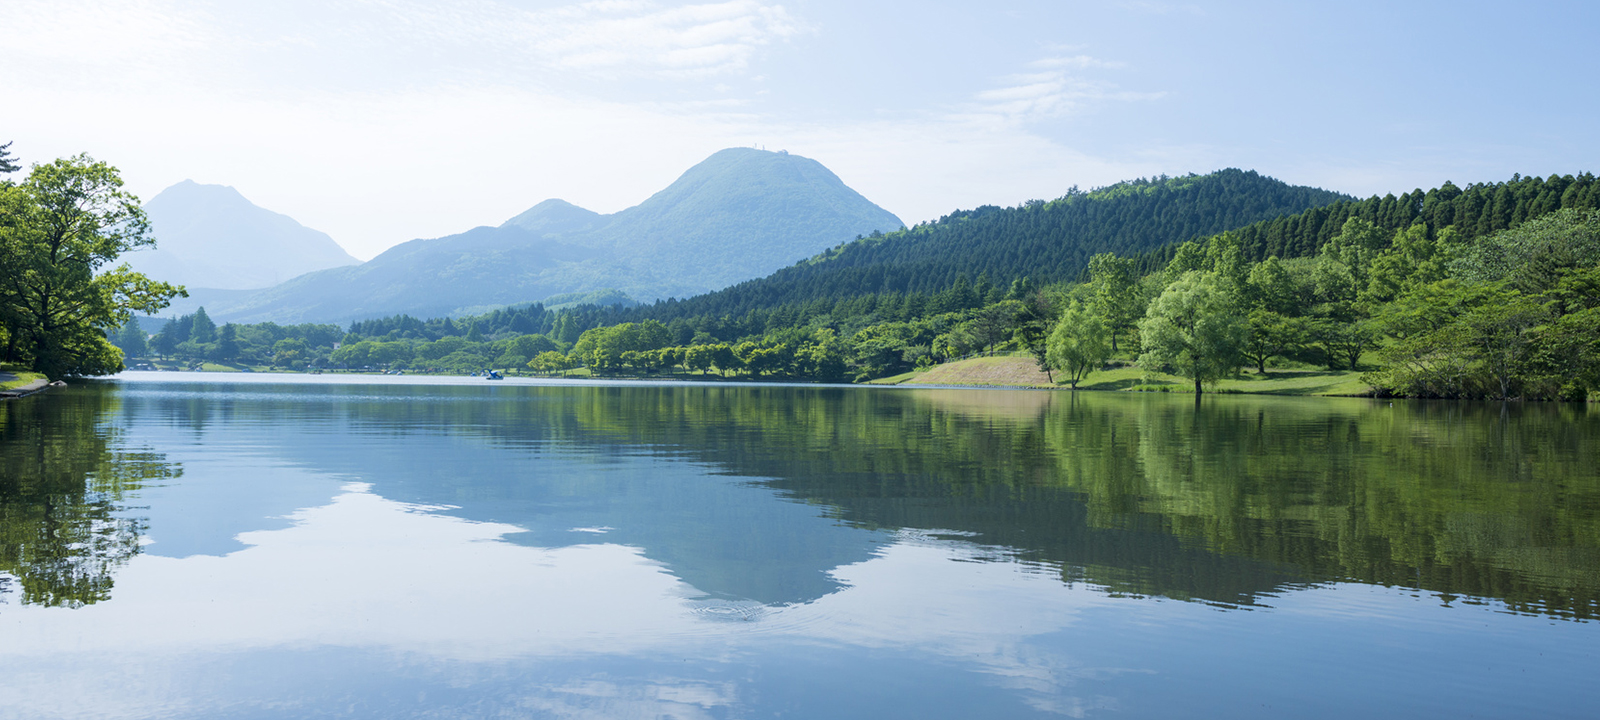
(554, 217)
(210, 236)
(1043, 241)
(741, 213)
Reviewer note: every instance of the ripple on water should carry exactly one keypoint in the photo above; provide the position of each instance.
(730, 611)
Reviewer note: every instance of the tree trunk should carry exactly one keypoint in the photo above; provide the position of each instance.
(1197, 389)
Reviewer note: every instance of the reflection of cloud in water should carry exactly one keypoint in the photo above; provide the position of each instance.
(369, 573)
(959, 601)
(675, 698)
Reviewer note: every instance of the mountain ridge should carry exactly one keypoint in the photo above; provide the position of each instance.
(738, 214)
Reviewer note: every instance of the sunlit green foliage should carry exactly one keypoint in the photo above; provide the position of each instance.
(1194, 329)
(1080, 343)
(61, 230)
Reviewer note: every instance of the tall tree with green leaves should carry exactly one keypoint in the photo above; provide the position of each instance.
(1115, 283)
(1080, 342)
(60, 229)
(227, 347)
(1195, 329)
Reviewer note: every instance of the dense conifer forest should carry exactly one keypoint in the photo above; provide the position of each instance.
(1478, 210)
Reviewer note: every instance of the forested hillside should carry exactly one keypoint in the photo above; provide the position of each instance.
(1040, 240)
(1478, 210)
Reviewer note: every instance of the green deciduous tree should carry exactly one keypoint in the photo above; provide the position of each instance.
(1532, 256)
(1194, 329)
(226, 349)
(1114, 281)
(550, 362)
(1272, 335)
(1080, 342)
(60, 230)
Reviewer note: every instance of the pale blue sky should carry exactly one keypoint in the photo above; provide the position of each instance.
(382, 120)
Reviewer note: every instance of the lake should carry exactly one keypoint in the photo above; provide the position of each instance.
(179, 545)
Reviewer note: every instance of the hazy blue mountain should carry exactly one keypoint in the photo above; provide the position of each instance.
(210, 236)
(740, 214)
(557, 217)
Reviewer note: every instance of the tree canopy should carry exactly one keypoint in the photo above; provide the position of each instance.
(60, 230)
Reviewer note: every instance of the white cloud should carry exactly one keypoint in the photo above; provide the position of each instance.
(215, 45)
(1055, 87)
(696, 40)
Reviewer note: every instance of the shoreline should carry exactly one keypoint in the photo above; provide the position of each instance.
(1283, 383)
(33, 387)
(375, 378)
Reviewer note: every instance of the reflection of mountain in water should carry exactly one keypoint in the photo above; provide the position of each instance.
(541, 463)
(1240, 498)
(63, 476)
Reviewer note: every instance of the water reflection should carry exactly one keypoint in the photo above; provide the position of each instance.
(64, 474)
(1234, 500)
(705, 551)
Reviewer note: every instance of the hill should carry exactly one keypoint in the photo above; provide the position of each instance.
(739, 214)
(210, 236)
(1043, 241)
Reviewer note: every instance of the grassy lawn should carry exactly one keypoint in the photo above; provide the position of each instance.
(896, 379)
(1275, 382)
(990, 371)
(14, 378)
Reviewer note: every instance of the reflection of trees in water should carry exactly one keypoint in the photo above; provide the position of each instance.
(1148, 495)
(1455, 498)
(1142, 494)
(63, 475)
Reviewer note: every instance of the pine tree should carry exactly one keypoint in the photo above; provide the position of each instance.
(203, 330)
(8, 162)
(132, 340)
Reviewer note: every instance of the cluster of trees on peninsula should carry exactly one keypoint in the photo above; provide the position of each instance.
(62, 229)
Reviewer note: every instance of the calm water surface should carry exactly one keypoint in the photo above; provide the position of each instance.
(183, 546)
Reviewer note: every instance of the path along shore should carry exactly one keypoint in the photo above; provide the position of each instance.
(36, 386)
